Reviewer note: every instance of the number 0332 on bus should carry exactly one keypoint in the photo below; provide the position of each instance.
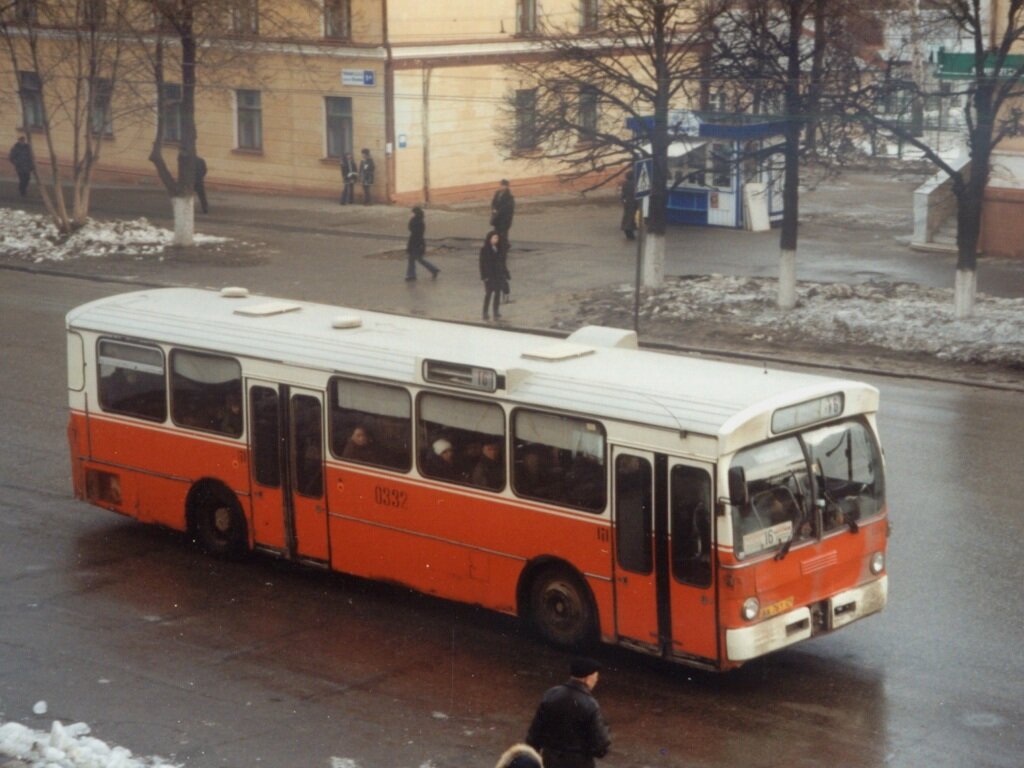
(704, 512)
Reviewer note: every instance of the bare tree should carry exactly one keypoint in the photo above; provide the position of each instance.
(790, 60)
(635, 59)
(68, 60)
(183, 38)
(991, 88)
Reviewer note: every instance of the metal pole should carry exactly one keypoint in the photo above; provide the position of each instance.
(639, 257)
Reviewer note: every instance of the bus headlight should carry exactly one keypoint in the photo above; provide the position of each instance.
(877, 563)
(751, 607)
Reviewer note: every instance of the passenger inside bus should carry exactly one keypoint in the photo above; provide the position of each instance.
(439, 461)
(536, 477)
(361, 446)
(489, 471)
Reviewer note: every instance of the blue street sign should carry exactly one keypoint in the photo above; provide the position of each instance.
(643, 171)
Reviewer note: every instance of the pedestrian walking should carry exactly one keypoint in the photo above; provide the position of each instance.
(627, 194)
(200, 183)
(366, 172)
(568, 728)
(349, 177)
(23, 162)
(519, 756)
(493, 272)
(417, 246)
(503, 210)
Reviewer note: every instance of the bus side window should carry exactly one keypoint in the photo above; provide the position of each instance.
(560, 459)
(462, 440)
(266, 436)
(370, 423)
(691, 525)
(206, 392)
(132, 380)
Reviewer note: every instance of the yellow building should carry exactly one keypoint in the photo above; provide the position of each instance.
(420, 84)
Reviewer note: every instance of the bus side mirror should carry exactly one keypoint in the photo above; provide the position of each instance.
(738, 494)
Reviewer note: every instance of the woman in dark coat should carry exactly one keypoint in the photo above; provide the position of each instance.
(493, 272)
(417, 246)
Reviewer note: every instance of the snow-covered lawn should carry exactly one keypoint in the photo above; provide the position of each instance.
(34, 237)
(902, 317)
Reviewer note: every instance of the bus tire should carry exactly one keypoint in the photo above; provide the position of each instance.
(562, 608)
(217, 522)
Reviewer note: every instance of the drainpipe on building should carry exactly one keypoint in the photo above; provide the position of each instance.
(427, 72)
(389, 105)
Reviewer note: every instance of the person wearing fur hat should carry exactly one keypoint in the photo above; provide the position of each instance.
(568, 728)
(520, 756)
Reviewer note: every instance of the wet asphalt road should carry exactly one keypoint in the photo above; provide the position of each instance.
(168, 652)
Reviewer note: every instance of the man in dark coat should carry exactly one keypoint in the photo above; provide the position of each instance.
(568, 728)
(503, 209)
(627, 195)
(200, 183)
(349, 176)
(367, 169)
(23, 162)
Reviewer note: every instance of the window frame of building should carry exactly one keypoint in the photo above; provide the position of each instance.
(590, 12)
(94, 12)
(101, 120)
(249, 120)
(526, 17)
(526, 119)
(337, 126)
(587, 106)
(171, 102)
(30, 92)
(338, 19)
(245, 17)
(26, 11)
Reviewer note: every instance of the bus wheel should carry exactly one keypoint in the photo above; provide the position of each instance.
(219, 523)
(561, 608)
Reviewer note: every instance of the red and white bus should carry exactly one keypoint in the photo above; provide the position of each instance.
(704, 512)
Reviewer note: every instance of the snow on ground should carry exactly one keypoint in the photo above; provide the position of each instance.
(897, 316)
(67, 746)
(34, 237)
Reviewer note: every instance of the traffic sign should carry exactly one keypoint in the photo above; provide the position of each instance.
(642, 173)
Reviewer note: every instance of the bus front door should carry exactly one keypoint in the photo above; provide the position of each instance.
(664, 600)
(289, 509)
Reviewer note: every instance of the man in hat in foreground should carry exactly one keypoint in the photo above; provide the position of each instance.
(568, 728)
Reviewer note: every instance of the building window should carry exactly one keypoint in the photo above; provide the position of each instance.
(26, 11)
(99, 116)
(245, 17)
(589, 12)
(95, 12)
(337, 19)
(339, 125)
(526, 17)
(588, 113)
(250, 120)
(526, 119)
(30, 88)
(172, 112)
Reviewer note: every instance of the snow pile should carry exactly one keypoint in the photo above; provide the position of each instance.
(897, 316)
(34, 237)
(68, 746)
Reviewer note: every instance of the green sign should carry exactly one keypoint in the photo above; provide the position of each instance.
(960, 66)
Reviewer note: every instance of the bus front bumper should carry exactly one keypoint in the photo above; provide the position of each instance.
(796, 625)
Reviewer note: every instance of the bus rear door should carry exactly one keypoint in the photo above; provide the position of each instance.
(287, 443)
(664, 600)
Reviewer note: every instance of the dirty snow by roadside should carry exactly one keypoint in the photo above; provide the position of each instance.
(34, 237)
(902, 317)
(68, 746)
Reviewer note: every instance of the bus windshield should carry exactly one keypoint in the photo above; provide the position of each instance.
(807, 485)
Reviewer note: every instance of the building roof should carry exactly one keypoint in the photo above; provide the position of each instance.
(596, 371)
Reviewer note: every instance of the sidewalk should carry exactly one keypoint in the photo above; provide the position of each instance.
(853, 229)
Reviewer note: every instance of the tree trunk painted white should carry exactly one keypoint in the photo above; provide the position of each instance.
(653, 261)
(787, 279)
(963, 293)
(184, 220)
